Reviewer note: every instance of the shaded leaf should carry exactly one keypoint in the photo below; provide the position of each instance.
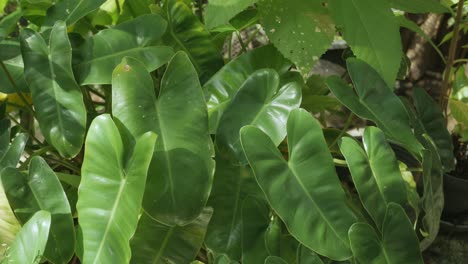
(219, 12)
(57, 98)
(321, 218)
(307, 256)
(111, 191)
(70, 11)
(275, 260)
(10, 54)
(255, 220)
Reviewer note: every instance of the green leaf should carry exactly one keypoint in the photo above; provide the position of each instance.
(375, 173)
(31, 240)
(41, 190)
(307, 256)
(35, 10)
(181, 171)
(222, 87)
(219, 12)
(223, 259)
(10, 155)
(186, 33)
(9, 225)
(376, 102)
(372, 31)
(10, 54)
(433, 120)
(433, 198)
(319, 103)
(8, 23)
(321, 218)
(260, 102)
(399, 243)
(275, 260)
(460, 84)
(302, 39)
(154, 242)
(255, 220)
(111, 191)
(232, 184)
(135, 38)
(57, 98)
(459, 111)
(70, 11)
(419, 6)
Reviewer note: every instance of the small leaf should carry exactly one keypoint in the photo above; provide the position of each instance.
(57, 98)
(10, 54)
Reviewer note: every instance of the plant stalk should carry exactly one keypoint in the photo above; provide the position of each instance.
(20, 94)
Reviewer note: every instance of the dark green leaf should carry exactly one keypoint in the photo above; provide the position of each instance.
(321, 218)
(111, 191)
(135, 38)
(186, 33)
(372, 31)
(8, 23)
(255, 220)
(70, 11)
(154, 242)
(307, 256)
(275, 260)
(57, 98)
(302, 39)
(41, 190)
(222, 87)
(260, 102)
(10, 54)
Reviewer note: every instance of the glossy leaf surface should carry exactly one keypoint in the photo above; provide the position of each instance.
(41, 190)
(302, 39)
(136, 38)
(30, 242)
(399, 243)
(308, 181)
(375, 173)
(260, 102)
(111, 191)
(57, 98)
(222, 87)
(187, 34)
(373, 100)
(154, 242)
(372, 31)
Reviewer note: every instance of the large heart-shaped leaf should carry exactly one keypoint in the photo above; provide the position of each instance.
(301, 29)
(10, 54)
(307, 182)
(434, 124)
(56, 96)
(372, 31)
(111, 191)
(182, 168)
(222, 87)
(187, 34)
(375, 173)
(260, 102)
(376, 102)
(70, 11)
(399, 243)
(154, 242)
(135, 38)
(41, 190)
(30, 242)
(232, 184)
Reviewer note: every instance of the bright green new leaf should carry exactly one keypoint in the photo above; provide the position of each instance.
(399, 243)
(308, 181)
(57, 98)
(219, 12)
(255, 220)
(301, 29)
(30, 242)
(136, 38)
(373, 100)
(419, 6)
(262, 103)
(41, 190)
(434, 123)
(375, 173)
(232, 184)
(111, 191)
(275, 260)
(186, 33)
(372, 31)
(154, 242)
(222, 87)
(181, 171)
(70, 11)
(10, 54)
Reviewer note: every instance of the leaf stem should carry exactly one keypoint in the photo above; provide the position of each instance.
(20, 94)
(348, 123)
(24, 129)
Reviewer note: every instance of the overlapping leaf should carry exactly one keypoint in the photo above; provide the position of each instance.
(41, 190)
(219, 12)
(10, 54)
(111, 191)
(70, 11)
(57, 98)
(255, 221)
(419, 6)
(308, 181)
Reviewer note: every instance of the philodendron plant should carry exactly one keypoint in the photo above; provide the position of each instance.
(125, 138)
